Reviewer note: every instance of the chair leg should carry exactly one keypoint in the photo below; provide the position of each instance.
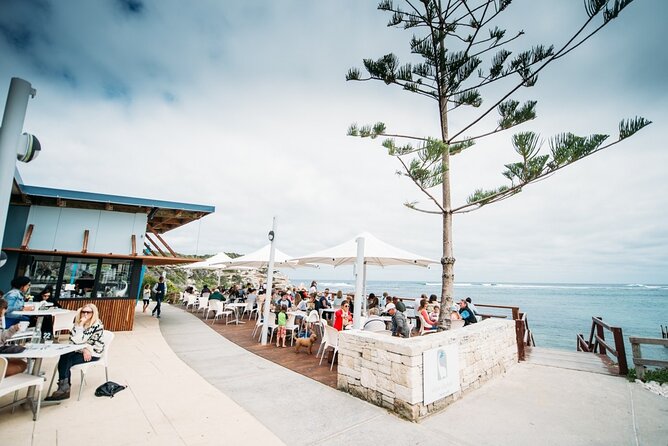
(106, 373)
(81, 386)
(336, 350)
(16, 397)
(323, 355)
(39, 404)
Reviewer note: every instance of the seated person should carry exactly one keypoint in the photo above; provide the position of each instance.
(372, 302)
(15, 300)
(399, 322)
(86, 332)
(342, 317)
(373, 312)
(46, 295)
(284, 301)
(14, 365)
(429, 323)
(217, 295)
(433, 302)
(398, 304)
(466, 313)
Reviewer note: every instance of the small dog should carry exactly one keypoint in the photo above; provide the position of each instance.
(305, 342)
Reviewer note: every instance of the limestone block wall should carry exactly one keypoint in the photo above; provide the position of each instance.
(387, 371)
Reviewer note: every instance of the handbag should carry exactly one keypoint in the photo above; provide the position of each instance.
(8, 349)
(109, 389)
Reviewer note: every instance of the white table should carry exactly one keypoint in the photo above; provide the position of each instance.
(38, 352)
(236, 306)
(51, 311)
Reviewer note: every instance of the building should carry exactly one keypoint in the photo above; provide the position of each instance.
(90, 247)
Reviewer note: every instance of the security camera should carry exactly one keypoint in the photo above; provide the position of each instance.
(29, 148)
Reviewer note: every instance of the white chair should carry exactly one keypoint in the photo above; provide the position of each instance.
(312, 319)
(202, 304)
(258, 326)
(221, 311)
(271, 329)
(62, 322)
(424, 330)
(291, 327)
(191, 300)
(374, 324)
(331, 340)
(107, 338)
(323, 340)
(249, 309)
(13, 384)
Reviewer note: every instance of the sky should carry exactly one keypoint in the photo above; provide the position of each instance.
(244, 106)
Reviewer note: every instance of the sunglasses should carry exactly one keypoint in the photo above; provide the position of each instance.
(86, 312)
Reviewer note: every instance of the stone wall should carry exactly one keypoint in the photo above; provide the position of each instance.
(387, 371)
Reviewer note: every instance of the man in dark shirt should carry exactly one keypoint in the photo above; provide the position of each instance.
(399, 304)
(466, 313)
(399, 322)
(160, 290)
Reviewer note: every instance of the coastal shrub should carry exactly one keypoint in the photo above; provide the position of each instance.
(657, 375)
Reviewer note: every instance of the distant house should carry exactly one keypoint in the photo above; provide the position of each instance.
(89, 246)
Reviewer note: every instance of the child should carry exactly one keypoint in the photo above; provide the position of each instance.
(282, 321)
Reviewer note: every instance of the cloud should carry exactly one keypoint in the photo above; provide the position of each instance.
(243, 105)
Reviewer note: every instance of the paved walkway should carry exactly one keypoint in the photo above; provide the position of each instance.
(220, 394)
(530, 405)
(166, 403)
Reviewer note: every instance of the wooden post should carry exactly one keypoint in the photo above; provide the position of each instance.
(84, 249)
(519, 336)
(134, 244)
(26, 237)
(601, 334)
(637, 354)
(516, 313)
(621, 350)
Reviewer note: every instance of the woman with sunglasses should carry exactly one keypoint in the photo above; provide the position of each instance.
(86, 332)
(342, 317)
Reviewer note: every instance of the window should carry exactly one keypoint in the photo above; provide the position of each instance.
(79, 277)
(114, 278)
(43, 271)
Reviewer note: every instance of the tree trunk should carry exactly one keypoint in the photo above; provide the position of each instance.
(448, 259)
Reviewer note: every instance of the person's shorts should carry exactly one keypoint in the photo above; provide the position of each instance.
(281, 331)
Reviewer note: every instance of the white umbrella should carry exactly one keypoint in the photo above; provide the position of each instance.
(220, 260)
(260, 259)
(376, 252)
(372, 252)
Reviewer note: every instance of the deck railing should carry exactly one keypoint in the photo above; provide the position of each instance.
(523, 334)
(598, 344)
(638, 361)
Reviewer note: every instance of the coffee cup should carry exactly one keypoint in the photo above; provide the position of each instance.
(23, 326)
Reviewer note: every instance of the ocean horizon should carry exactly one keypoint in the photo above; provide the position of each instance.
(556, 312)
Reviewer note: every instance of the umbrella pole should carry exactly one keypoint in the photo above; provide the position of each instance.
(270, 278)
(359, 284)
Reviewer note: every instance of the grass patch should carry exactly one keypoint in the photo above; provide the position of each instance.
(658, 375)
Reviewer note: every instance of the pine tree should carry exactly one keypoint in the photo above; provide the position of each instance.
(463, 54)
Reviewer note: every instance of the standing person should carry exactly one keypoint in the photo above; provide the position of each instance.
(16, 300)
(159, 289)
(466, 313)
(86, 332)
(398, 304)
(282, 322)
(14, 365)
(314, 288)
(146, 296)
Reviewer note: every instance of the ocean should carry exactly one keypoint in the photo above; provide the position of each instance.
(556, 312)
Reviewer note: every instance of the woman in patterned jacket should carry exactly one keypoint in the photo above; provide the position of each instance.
(87, 332)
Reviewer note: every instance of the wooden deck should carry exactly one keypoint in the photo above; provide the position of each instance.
(586, 362)
(300, 362)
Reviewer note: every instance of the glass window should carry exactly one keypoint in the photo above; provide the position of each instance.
(79, 277)
(43, 271)
(114, 278)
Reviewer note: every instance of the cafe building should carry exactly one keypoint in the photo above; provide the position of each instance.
(90, 247)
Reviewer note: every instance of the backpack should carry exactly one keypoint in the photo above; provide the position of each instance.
(109, 389)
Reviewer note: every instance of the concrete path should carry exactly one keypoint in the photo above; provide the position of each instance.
(220, 394)
(166, 403)
(530, 405)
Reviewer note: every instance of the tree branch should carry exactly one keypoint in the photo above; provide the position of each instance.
(431, 197)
